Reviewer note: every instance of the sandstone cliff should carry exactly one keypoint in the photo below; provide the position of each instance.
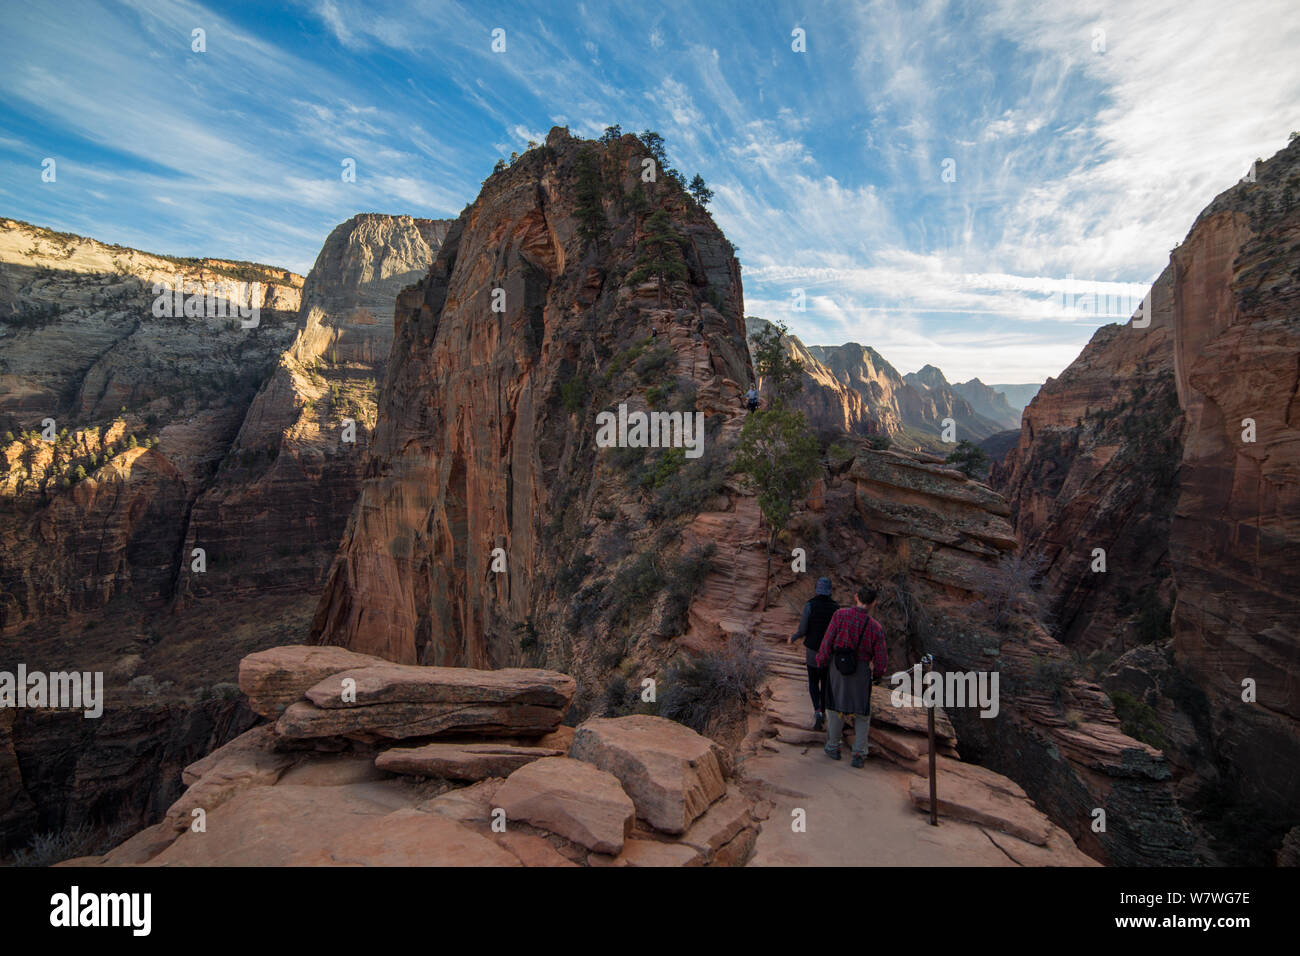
(829, 404)
(171, 433)
(911, 408)
(1144, 442)
(530, 322)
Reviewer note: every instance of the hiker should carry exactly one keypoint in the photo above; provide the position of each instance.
(854, 650)
(813, 622)
(751, 399)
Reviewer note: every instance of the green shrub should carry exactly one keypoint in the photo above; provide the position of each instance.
(653, 363)
(574, 393)
(695, 691)
(1138, 719)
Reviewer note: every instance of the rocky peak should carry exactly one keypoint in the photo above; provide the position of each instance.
(532, 319)
(927, 377)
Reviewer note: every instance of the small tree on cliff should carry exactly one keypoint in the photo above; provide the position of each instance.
(700, 191)
(780, 370)
(777, 451)
(780, 456)
(969, 459)
(660, 256)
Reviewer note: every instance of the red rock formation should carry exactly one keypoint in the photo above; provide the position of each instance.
(1095, 468)
(1142, 443)
(237, 450)
(486, 435)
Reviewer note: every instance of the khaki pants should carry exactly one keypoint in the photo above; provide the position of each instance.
(835, 732)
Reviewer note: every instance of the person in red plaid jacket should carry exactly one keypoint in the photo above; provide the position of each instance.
(854, 642)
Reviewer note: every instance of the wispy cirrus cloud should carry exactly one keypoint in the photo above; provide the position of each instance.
(827, 165)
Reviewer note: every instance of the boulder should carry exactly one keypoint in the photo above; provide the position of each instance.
(570, 798)
(461, 761)
(671, 773)
(396, 721)
(276, 677)
(386, 683)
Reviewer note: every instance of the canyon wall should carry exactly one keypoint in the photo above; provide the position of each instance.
(1174, 447)
(172, 433)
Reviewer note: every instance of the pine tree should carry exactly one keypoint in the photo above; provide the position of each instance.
(700, 191)
(780, 370)
(590, 194)
(779, 455)
(969, 459)
(660, 256)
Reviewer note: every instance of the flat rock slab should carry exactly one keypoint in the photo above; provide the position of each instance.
(247, 761)
(472, 804)
(671, 773)
(271, 826)
(409, 838)
(911, 718)
(275, 678)
(461, 761)
(396, 721)
(964, 798)
(386, 683)
(570, 798)
(650, 853)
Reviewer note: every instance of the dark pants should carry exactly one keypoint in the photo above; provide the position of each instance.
(817, 678)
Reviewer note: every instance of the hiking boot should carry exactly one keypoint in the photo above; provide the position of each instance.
(819, 722)
(833, 754)
(859, 760)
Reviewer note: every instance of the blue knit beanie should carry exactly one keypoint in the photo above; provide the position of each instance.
(824, 586)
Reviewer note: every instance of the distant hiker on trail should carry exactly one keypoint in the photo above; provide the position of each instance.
(854, 648)
(813, 622)
(751, 399)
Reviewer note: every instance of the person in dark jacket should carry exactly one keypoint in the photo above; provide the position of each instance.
(853, 636)
(812, 627)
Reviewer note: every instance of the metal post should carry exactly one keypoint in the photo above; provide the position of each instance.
(928, 661)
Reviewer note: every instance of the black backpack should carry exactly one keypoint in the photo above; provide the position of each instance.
(846, 660)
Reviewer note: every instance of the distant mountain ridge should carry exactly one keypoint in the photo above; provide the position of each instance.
(1018, 396)
(852, 387)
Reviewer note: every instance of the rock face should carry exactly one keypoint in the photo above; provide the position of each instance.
(851, 388)
(828, 403)
(522, 331)
(192, 432)
(1145, 445)
(1095, 467)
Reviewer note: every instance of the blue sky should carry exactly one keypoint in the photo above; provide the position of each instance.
(1076, 153)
